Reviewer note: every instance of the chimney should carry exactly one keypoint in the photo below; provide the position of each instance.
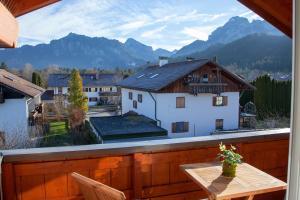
(163, 60)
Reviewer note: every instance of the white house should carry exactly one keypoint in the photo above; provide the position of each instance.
(189, 98)
(18, 98)
(99, 88)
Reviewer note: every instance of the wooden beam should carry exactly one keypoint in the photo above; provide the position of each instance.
(9, 28)
(278, 13)
(18, 8)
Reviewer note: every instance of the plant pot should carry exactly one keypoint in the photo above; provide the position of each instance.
(228, 169)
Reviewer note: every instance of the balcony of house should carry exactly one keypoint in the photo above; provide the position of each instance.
(109, 93)
(142, 170)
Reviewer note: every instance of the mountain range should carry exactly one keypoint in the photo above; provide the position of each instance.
(253, 45)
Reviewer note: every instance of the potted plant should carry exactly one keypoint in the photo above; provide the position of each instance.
(229, 159)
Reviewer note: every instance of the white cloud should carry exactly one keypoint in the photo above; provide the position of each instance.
(154, 33)
(159, 23)
(200, 33)
(250, 15)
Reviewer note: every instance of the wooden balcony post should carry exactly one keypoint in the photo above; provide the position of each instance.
(8, 28)
(294, 153)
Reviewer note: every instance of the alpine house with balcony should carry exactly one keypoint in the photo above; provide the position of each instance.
(188, 98)
(99, 88)
(20, 104)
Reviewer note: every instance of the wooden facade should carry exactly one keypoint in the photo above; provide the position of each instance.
(216, 80)
(152, 175)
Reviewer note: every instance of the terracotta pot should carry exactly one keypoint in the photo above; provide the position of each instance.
(229, 170)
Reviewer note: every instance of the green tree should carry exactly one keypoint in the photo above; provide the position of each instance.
(76, 97)
(37, 79)
(3, 66)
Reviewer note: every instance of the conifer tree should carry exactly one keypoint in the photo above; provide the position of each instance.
(3, 66)
(76, 97)
(36, 79)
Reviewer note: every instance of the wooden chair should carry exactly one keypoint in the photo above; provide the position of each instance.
(93, 190)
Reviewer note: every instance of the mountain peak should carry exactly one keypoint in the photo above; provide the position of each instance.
(238, 19)
(238, 27)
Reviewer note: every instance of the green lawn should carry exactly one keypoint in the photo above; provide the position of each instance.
(59, 135)
(57, 128)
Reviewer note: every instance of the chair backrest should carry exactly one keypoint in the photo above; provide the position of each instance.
(93, 190)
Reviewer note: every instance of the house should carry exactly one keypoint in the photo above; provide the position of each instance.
(99, 88)
(189, 98)
(20, 101)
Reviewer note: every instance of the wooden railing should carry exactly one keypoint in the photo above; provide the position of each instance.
(143, 170)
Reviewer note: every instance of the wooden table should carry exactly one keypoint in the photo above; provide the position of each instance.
(248, 182)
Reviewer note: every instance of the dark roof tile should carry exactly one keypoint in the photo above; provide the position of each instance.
(89, 80)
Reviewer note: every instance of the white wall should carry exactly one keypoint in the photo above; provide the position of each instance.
(14, 116)
(147, 107)
(198, 111)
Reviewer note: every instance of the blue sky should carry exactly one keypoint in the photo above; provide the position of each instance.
(168, 24)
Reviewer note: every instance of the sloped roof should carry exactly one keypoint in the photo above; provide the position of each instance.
(21, 7)
(155, 78)
(89, 80)
(19, 84)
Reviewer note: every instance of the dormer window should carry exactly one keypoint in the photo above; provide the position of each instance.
(153, 76)
(140, 76)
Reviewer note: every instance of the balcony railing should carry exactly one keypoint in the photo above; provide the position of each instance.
(143, 170)
(109, 93)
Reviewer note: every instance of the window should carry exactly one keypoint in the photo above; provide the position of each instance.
(140, 76)
(130, 95)
(100, 89)
(86, 89)
(140, 98)
(110, 89)
(93, 89)
(59, 90)
(220, 101)
(134, 104)
(180, 127)
(180, 102)
(219, 124)
(93, 99)
(205, 78)
(153, 76)
(105, 89)
(90, 89)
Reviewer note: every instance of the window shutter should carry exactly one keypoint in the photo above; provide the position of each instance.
(180, 102)
(225, 100)
(214, 99)
(173, 127)
(186, 127)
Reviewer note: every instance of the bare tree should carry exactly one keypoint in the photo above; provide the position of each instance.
(27, 72)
